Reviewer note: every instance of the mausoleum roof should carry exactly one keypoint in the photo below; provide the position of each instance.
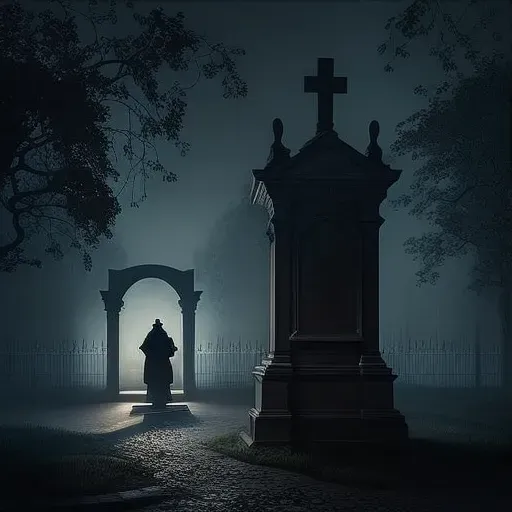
(327, 152)
(326, 155)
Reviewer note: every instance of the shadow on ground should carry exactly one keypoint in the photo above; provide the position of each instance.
(56, 464)
(179, 419)
(416, 465)
(422, 463)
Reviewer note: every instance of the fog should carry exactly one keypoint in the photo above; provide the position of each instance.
(144, 300)
(427, 427)
(179, 223)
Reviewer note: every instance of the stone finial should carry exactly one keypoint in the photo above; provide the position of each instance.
(277, 127)
(278, 152)
(373, 151)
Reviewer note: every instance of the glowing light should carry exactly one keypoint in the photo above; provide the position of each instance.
(144, 301)
(139, 392)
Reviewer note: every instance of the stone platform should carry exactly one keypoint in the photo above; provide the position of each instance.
(170, 408)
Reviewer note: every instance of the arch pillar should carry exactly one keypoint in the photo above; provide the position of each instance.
(113, 304)
(119, 281)
(188, 307)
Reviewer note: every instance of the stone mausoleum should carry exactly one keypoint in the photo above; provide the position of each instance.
(324, 379)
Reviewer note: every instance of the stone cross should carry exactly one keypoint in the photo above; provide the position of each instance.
(325, 84)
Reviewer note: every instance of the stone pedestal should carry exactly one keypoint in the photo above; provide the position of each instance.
(270, 418)
(171, 414)
(170, 408)
(324, 380)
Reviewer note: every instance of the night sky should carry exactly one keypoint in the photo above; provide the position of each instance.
(229, 138)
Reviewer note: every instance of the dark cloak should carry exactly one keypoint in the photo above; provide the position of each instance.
(158, 347)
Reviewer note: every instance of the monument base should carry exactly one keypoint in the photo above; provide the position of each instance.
(268, 427)
(374, 427)
(327, 405)
(336, 428)
(270, 418)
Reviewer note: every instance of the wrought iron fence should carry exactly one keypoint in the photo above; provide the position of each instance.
(61, 365)
(226, 365)
(444, 363)
(83, 365)
(229, 365)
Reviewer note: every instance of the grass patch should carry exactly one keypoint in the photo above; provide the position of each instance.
(315, 465)
(55, 463)
(278, 456)
(416, 464)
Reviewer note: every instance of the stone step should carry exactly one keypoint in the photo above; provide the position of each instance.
(147, 408)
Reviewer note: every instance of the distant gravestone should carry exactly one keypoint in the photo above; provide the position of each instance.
(324, 379)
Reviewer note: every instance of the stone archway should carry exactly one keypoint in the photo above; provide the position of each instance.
(119, 281)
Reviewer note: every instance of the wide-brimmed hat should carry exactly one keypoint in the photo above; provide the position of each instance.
(157, 322)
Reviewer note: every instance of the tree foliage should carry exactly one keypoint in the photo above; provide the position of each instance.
(456, 33)
(460, 138)
(462, 186)
(62, 97)
(464, 141)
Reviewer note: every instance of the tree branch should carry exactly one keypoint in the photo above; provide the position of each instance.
(22, 166)
(18, 240)
(32, 144)
(121, 62)
(52, 217)
(108, 62)
(462, 194)
(16, 198)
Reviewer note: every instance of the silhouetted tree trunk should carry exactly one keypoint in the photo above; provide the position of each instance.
(11, 137)
(505, 313)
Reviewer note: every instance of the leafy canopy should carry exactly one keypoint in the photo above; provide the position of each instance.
(62, 101)
(463, 185)
(458, 34)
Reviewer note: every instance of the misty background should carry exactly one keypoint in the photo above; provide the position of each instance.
(205, 221)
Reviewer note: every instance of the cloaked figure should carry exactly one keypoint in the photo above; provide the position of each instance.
(158, 347)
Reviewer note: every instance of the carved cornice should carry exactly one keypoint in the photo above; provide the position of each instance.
(113, 303)
(188, 304)
(260, 196)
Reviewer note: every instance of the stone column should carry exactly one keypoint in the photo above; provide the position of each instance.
(377, 402)
(280, 296)
(188, 307)
(113, 305)
(370, 223)
(270, 418)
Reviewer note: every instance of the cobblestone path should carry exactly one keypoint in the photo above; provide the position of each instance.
(200, 480)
